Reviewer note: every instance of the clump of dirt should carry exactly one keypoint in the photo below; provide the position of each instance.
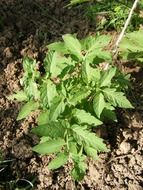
(26, 28)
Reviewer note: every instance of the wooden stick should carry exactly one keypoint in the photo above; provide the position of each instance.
(125, 26)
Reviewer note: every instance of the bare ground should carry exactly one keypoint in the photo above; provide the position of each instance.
(26, 27)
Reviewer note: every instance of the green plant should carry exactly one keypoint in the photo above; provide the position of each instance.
(131, 47)
(112, 14)
(78, 89)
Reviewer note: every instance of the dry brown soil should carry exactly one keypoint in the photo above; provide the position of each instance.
(26, 27)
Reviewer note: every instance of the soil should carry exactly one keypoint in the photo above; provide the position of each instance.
(26, 27)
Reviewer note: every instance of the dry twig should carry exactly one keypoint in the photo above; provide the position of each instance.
(125, 26)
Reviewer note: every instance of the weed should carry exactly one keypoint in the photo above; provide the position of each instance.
(111, 14)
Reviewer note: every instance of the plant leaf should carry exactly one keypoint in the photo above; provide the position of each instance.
(98, 104)
(32, 89)
(91, 152)
(57, 107)
(89, 138)
(86, 72)
(49, 147)
(58, 47)
(54, 63)
(44, 139)
(95, 74)
(29, 65)
(19, 96)
(117, 98)
(131, 47)
(53, 129)
(43, 117)
(79, 171)
(80, 167)
(73, 45)
(59, 161)
(27, 109)
(48, 92)
(73, 147)
(132, 42)
(79, 95)
(109, 115)
(93, 43)
(86, 118)
(107, 77)
(98, 56)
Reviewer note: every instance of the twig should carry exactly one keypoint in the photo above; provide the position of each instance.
(123, 156)
(125, 26)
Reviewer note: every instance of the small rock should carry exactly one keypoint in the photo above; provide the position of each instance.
(125, 147)
(132, 161)
(8, 53)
